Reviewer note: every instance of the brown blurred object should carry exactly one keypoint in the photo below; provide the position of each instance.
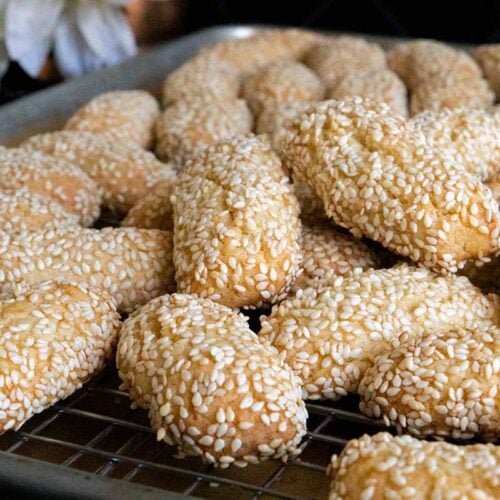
(49, 72)
(154, 20)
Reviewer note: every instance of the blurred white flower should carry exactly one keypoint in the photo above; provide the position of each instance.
(83, 34)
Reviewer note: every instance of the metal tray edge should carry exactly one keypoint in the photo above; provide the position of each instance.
(27, 477)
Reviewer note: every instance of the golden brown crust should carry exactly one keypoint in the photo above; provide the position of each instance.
(54, 337)
(154, 211)
(125, 116)
(384, 466)
(126, 173)
(236, 225)
(57, 179)
(133, 265)
(330, 335)
(186, 127)
(23, 210)
(378, 178)
(213, 389)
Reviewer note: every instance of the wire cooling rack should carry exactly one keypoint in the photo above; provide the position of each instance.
(96, 431)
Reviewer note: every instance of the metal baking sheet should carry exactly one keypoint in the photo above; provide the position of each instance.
(98, 446)
(49, 108)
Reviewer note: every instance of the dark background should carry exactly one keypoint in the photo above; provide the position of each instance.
(461, 21)
(471, 22)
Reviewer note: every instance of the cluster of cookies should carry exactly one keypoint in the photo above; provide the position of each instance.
(356, 221)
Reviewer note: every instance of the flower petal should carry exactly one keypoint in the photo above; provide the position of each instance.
(73, 56)
(29, 22)
(33, 60)
(106, 30)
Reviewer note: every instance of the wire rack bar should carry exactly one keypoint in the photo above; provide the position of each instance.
(84, 449)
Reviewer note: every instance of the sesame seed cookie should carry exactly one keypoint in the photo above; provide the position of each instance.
(23, 210)
(188, 126)
(155, 210)
(488, 57)
(380, 179)
(133, 265)
(283, 81)
(248, 54)
(202, 76)
(213, 389)
(471, 134)
(125, 116)
(52, 177)
(331, 335)
(419, 61)
(54, 337)
(334, 58)
(125, 173)
(385, 466)
(382, 85)
(447, 93)
(444, 383)
(274, 120)
(439, 76)
(328, 253)
(236, 225)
